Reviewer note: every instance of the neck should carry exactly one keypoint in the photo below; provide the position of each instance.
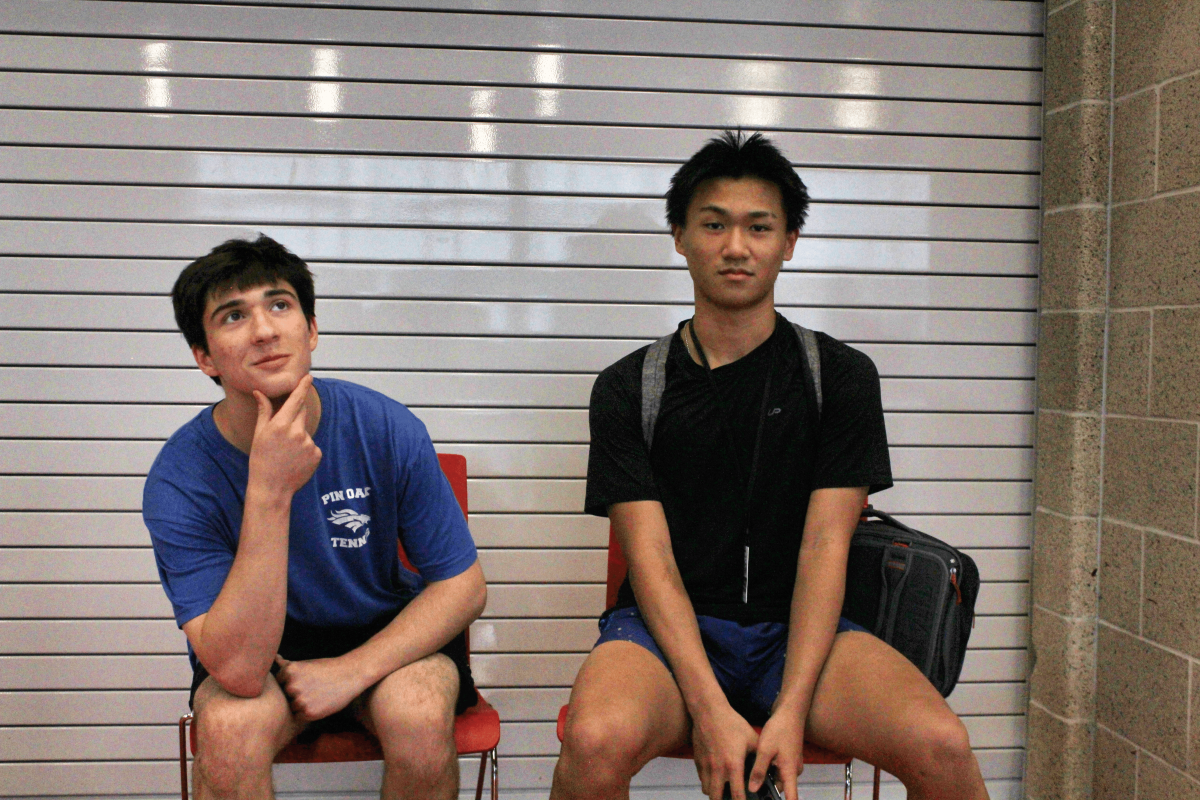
(236, 417)
(727, 335)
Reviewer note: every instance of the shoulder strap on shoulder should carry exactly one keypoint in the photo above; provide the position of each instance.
(812, 354)
(654, 381)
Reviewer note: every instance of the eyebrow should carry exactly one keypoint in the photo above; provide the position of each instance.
(724, 211)
(237, 301)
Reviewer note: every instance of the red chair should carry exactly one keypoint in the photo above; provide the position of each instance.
(476, 730)
(813, 754)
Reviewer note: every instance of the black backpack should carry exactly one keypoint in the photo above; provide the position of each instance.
(910, 589)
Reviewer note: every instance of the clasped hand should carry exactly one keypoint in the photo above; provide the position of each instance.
(315, 689)
(721, 743)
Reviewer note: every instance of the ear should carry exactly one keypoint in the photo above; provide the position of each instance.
(677, 235)
(204, 362)
(312, 334)
(792, 236)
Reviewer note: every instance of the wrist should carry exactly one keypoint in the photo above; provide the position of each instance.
(260, 494)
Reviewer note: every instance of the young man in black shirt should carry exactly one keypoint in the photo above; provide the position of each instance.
(736, 523)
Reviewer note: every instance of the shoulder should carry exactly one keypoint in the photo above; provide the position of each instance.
(185, 468)
(363, 404)
(187, 450)
(841, 362)
(623, 377)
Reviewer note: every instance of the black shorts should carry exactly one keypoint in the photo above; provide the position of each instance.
(302, 642)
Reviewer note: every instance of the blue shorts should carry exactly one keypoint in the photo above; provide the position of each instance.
(747, 659)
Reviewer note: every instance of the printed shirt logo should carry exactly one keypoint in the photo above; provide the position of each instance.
(348, 517)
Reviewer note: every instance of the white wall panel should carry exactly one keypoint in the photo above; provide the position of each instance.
(477, 184)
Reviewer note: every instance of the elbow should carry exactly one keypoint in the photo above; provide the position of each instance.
(241, 681)
(478, 600)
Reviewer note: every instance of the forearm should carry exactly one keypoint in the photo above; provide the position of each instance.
(815, 608)
(434, 617)
(818, 593)
(238, 637)
(664, 603)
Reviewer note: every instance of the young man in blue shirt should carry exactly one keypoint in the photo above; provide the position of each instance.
(275, 516)
(735, 517)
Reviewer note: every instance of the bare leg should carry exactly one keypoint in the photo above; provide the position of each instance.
(237, 739)
(412, 713)
(871, 702)
(625, 711)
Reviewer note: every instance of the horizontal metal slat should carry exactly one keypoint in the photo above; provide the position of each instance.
(125, 529)
(333, 99)
(102, 637)
(509, 495)
(143, 707)
(505, 601)
(507, 566)
(448, 425)
(250, 207)
(156, 129)
(49, 457)
(449, 29)
(417, 173)
(953, 15)
(477, 318)
(457, 389)
(69, 348)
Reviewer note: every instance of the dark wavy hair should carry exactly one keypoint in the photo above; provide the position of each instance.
(237, 264)
(735, 155)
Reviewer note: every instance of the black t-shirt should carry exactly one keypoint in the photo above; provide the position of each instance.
(692, 470)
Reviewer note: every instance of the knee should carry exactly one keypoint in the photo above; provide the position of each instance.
(602, 744)
(236, 740)
(415, 729)
(941, 755)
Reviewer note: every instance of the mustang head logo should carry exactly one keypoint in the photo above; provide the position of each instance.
(349, 518)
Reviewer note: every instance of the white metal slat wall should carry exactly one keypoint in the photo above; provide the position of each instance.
(477, 186)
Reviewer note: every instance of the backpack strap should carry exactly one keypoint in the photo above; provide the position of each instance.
(654, 381)
(812, 354)
(654, 376)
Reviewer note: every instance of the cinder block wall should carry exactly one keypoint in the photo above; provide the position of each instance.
(1115, 690)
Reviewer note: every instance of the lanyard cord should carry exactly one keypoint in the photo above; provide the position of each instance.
(762, 416)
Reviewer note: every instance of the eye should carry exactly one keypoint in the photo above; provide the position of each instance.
(232, 316)
(713, 226)
(280, 305)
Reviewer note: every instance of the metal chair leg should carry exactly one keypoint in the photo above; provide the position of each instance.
(483, 757)
(875, 793)
(183, 776)
(495, 775)
(849, 780)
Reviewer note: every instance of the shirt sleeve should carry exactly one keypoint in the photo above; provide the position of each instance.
(619, 468)
(432, 528)
(192, 553)
(853, 449)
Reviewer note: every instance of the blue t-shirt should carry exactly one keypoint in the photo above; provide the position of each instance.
(378, 479)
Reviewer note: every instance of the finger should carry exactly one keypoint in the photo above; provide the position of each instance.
(762, 760)
(737, 783)
(296, 400)
(264, 409)
(785, 776)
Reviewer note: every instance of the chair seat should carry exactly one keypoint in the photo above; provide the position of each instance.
(813, 753)
(476, 730)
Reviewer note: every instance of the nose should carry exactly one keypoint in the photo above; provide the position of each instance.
(263, 325)
(736, 244)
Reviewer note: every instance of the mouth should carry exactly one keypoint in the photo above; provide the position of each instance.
(271, 360)
(736, 273)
